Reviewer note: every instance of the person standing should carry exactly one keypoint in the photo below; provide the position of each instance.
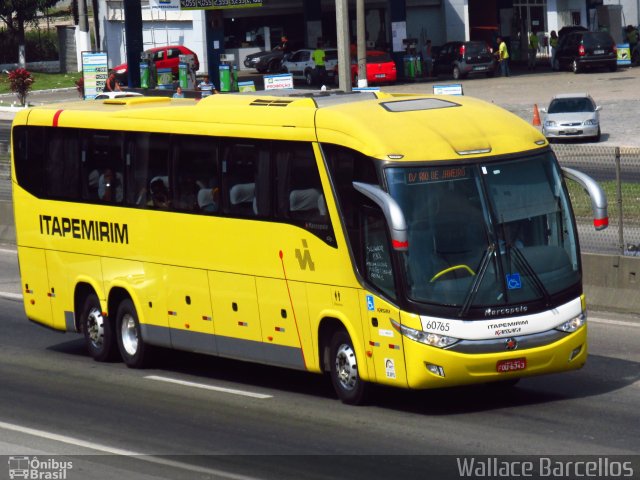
(112, 84)
(428, 59)
(503, 57)
(553, 44)
(533, 50)
(318, 57)
(206, 87)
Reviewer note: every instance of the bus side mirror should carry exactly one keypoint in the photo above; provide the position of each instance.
(595, 192)
(392, 213)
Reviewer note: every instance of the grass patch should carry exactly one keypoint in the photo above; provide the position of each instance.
(630, 200)
(43, 81)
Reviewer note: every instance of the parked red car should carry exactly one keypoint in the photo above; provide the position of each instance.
(380, 68)
(164, 57)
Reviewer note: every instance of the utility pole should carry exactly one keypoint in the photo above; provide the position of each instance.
(344, 52)
(83, 39)
(362, 47)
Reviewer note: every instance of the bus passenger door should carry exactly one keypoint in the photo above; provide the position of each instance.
(283, 321)
(35, 285)
(236, 316)
(385, 349)
(189, 310)
(385, 355)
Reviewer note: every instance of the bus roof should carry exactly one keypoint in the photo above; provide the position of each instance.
(381, 125)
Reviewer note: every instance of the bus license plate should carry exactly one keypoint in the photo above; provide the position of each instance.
(504, 366)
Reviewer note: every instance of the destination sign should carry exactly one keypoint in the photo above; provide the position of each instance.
(436, 174)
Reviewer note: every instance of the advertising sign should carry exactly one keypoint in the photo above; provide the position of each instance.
(276, 82)
(165, 4)
(165, 78)
(94, 73)
(247, 86)
(217, 4)
(451, 89)
(624, 54)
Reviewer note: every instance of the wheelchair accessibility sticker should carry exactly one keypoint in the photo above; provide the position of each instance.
(370, 305)
(513, 281)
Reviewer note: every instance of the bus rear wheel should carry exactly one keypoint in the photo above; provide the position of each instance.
(97, 329)
(133, 350)
(351, 389)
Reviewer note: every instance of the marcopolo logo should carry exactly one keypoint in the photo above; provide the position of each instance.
(38, 469)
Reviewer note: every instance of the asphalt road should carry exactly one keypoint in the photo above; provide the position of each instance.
(238, 420)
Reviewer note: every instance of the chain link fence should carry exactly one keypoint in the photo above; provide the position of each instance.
(617, 170)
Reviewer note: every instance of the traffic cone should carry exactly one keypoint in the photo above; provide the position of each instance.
(536, 115)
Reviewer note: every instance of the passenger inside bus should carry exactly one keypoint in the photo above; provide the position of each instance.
(159, 189)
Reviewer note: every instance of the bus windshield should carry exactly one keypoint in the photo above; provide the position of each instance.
(486, 235)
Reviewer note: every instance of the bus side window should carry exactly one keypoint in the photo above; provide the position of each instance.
(239, 168)
(300, 197)
(148, 157)
(377, 256)
(101, 157)
(195, 169)
(62, 172)
(29, 152)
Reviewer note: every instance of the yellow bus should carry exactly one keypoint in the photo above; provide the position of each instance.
(416, 241)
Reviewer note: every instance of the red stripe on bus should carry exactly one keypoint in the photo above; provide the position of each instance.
(56, 116)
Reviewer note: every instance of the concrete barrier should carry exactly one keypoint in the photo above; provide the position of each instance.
(612, 282)
(7, 228)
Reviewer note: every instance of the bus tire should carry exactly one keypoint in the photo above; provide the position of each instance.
(98, 330)
(346, 380)
(135, 353)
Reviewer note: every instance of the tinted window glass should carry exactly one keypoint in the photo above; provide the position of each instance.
(597, 38)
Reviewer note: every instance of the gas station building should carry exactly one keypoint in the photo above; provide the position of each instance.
(241, 31)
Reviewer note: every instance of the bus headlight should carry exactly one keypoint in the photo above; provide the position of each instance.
(431, 339)
(573, 324)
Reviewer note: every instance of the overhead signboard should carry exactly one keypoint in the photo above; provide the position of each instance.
(217, 4)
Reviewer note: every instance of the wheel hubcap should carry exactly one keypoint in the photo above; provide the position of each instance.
(129, 335)
(95, 327)
(346, 367)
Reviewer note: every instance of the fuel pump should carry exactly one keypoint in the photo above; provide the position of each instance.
(187, 71)
(412, 60)
(228, 73)
(148, 73)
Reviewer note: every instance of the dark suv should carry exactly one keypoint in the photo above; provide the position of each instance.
(581, 50)
(463, 58)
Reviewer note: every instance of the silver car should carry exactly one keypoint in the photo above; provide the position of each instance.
(302, 67)
(572, 115)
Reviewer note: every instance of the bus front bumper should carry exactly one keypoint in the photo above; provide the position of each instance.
(431, 367)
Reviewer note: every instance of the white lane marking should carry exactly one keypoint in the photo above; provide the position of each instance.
(119, 451)
(11, 296)
(7, 250)
(209, 387)
(622, 323)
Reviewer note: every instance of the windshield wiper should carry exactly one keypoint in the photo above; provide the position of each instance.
(475, 286)
(522, 261)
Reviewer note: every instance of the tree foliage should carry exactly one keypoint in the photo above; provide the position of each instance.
(16, 13)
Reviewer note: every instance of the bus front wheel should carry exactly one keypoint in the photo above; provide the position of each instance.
(133, 350)
(98, 331)
(344, 370)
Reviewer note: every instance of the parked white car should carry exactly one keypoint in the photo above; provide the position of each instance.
(302, 67)
(112, 95)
